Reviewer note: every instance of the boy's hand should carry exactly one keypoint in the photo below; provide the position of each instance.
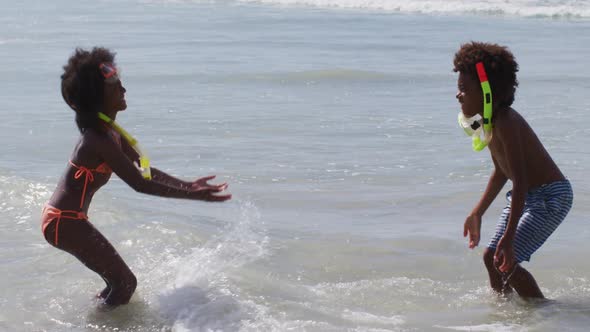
(472, 227)
(504, 256)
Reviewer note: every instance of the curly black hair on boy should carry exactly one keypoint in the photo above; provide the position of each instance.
(500, 66)
(82, 84)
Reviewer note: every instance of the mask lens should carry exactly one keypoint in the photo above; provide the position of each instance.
(108, 71)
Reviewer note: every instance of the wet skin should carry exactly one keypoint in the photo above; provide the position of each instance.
(79, 237)
(519, 156)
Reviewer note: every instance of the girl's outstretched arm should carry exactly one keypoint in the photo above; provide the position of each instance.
(167, 179)
(123, 166)
(202, 183)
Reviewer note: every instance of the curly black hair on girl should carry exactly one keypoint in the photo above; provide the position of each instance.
(500, 66)
(82, 85)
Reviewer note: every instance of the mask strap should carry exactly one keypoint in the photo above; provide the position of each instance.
(478, 144)
(144, 161)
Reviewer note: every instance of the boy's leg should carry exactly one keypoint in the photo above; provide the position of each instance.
(524, 283)
(544, 211)
(105, 292)
(496, 281)
(82, 240)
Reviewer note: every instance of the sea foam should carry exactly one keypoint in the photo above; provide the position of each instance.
(524, 8)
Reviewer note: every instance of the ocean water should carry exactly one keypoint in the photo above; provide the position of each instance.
(333, 121)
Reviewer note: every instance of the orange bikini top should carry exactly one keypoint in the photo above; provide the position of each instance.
(88, 176)
(87, 172)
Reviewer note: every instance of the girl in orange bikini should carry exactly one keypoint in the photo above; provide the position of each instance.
(90, 85)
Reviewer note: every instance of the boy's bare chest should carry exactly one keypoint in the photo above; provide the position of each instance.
(499, 154)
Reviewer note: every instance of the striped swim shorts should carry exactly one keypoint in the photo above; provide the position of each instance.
(544, 209)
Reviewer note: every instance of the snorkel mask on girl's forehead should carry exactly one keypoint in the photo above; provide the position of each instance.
(109, 72)
(475, 126)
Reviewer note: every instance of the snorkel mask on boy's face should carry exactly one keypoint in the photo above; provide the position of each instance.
(475, 126)
(472, 126)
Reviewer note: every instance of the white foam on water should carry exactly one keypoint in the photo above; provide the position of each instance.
(367, 318)
(522, 8)
(496, 327)
(525, 8)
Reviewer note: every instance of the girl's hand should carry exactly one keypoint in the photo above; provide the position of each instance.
(472, 228)
(201, 184)
(207, 191)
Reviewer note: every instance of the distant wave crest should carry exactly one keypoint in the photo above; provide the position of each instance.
(525, 8)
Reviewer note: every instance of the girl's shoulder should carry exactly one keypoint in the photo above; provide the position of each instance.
(92, 137)
(91, 142)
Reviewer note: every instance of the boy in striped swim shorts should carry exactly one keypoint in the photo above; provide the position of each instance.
(541, 196)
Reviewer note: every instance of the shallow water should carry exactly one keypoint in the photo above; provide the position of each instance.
(336, 129)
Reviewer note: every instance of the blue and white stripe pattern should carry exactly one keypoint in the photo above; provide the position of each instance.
(545, 208)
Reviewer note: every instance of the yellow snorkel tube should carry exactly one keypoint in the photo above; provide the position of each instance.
(144, 161)
(479, 144)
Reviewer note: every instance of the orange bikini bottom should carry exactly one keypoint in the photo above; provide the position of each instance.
(51, 213)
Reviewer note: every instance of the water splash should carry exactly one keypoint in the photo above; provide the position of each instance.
(20, 199)
(203, 295)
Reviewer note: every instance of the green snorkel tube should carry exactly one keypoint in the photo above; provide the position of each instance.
(144, 161)
(479, 144)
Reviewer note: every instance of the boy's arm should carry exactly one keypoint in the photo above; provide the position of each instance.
(472, 225)
(497, 181)
(509, 136)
